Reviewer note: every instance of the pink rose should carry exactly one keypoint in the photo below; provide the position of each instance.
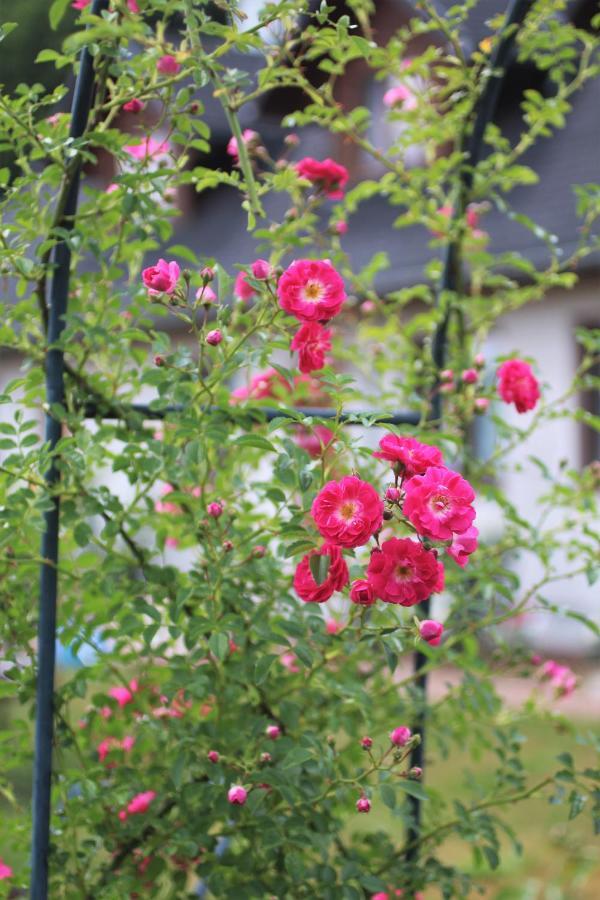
(132, 6)
(5, 870)
(237, 795)
(248, 137)
(400, 96)
(311, 290)
(341, 227)
(288, 661)
(312, 342)
(348, 512)
(262, 386)
(206, 295)
(213, 756)
(168, 65)
(327, 175)
(261, 269)
(431, 631)
(470, 376)
(161, 278)
(133, 106)
(215, 509)
(141, 803)
(403, 572)
(122, 695)
(214, 337)
(410, 455)
(242, 289)
(363, 805)
(148, 149)
(463, 545)
(80, 4)
(315, 440)
(273, 732)
(438, 503)
(104, 748)
(517, 384)
(361, 592)
(336, 576)
(366, 742)
(400, 736)
(333, 627)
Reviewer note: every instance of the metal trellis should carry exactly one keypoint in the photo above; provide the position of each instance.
(55, 392)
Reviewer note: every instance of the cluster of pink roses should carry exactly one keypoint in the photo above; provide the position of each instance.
(427, 497)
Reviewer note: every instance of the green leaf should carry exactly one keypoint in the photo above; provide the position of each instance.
(219, 645)
(413, 788)
(263, 666)
(57, 11)
(296, 757)
(255, 440)
(388, 795)
(319, 567)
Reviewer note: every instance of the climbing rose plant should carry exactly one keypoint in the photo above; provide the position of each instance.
(246, 592)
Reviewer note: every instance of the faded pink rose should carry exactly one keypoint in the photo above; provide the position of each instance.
(261, 386)
(161, 278)
(149, 148)
(122, 695)
(141, 803)
(431, 631)
(248, 137)
(326, 174)
(562, 678)
(311, 290)
(314, 440)
(407, 453)
(237, 795)
(335, 579)
(361, 592)
(168, 65)
(400, 96)
(463, 545)
(348, 512)
(403, 572)
(439, 503)
(312, 342)
(288, 661)
(517, 384)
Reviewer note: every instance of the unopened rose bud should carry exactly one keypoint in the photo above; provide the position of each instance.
(292, 140)
(366, 743)
(400, 736)
(227, 546)
(447, 375)
(393, 494)
(215, 509)
(367, 307)
(273, 732)
(431, 631)
(331, 740)
(363, 805)
(261, 269)
(194, 107)
(207, 274)
(259, 551)
(206, 295)
(415, 773)
(469, 376)
(213, 756)
(341, 227)
(361, 592)
(446, 388)
(481, 405)
(479, 361)
(159, 360)
(214, 337)
(237, 795)
(387, 515)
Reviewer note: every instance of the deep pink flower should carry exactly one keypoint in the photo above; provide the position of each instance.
(326, 174)
(463, 545)
(431, 631)
(517, 384)
(348, 512)
(400, 96)
(341, 227)
(237, 795)
(80, 4)
(361, 592)
(133, 106)
(400, 736)
(337, 575)
(403, 572)
(470, 376)
(562, 678)
(141, 803)
(311, 290)
(148, 149)
(132, 6)
(333, 627)
(168, 65)
(104, 748)
(273, 732)
(214, 337)
(213, 756)
(393, 494)
(161, 278)
(122, 695)
(242, 289)
(410, 455)
(363, 805)
(438, 503)
(262, 386)
(314, 440)
(312, 342)
(5, 870)
(366, 742)
(248, 137)
(215, 509)
(261, 269)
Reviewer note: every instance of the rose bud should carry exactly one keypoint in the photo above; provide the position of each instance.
(400, 736)
(214, 337)
(363, 805)
(361, 592)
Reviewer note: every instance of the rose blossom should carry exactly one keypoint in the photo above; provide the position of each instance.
(517, 384)
(261, 269)
(148, 149)
(237, 795)
(161, 278)
(104, 748)
(168, 65)
(261, 386)
(326, 174)
(332, 626)
(438, 503)
(206, 295)
(127, 743)
(248, 137)
(273, 732)
(141, 803)
(403, 572)
(431, 631)
(482, 404)
(311, 290)
(337, 575)
(312, 342)
(363, 805)
(408, 454)
(561, 677)
(80, 4)
(470, 376)
(133, 106)
(400, 736)
(242, 289)
(348, 512)
(463, 545)
(341, 227)
(314, 440)
(361, 592)
(400, 96)
(288, 661)
(5, 870)
(122, 695)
